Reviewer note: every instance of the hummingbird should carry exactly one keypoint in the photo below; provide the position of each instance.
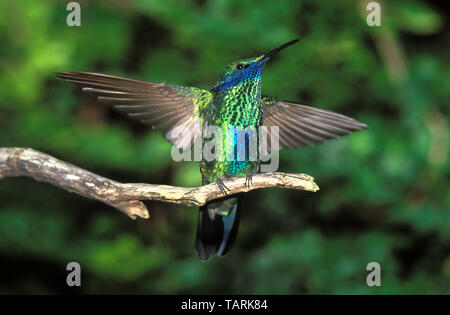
(234, 102)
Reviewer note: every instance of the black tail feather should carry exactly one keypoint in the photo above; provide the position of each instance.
(216, 236)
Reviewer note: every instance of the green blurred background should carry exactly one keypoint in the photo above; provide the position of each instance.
(384, 192)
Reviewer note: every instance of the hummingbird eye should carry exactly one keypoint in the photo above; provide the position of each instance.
(240, 66)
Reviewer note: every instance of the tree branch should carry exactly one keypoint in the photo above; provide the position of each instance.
(127, 197)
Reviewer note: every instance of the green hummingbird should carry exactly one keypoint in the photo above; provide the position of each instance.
(234, 103)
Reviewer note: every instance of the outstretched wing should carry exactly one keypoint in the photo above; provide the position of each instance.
(171, 108)
(301, 125)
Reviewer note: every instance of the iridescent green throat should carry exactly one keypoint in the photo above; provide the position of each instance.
(239, 105)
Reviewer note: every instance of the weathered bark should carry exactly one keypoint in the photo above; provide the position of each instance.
(127, 197)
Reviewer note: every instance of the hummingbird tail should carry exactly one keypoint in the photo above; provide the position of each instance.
(216, 233)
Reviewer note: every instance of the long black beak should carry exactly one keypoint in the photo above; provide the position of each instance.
(277, 50)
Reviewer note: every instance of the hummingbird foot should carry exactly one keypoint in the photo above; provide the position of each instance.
(248, 180)
(223, 188)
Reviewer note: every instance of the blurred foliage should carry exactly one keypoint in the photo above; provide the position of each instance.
(384, 192)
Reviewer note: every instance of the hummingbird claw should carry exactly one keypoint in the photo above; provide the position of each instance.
(223, 188)
(248, 180)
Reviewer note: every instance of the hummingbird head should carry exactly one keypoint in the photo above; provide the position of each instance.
(246, 70)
